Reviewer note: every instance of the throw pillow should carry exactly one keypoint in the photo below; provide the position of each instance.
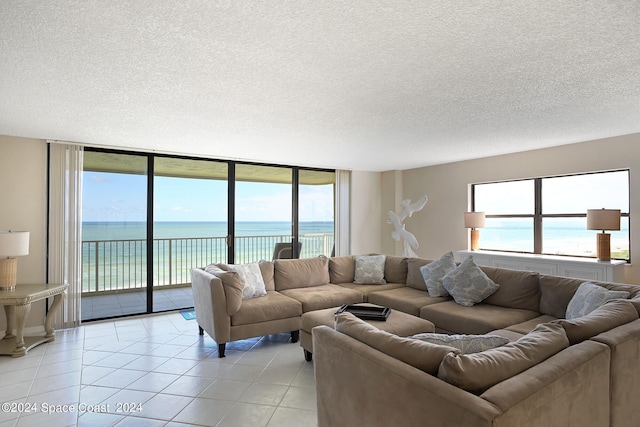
(251, 277)
(434, 272)
(467, 344)
(479, 371)
(370, 270)
(422, 355)
(467, 284)
(588, 297)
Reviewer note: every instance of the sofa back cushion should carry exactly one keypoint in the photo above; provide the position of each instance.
(266, 267)
(518, 289)
(419, 354)
(414, 275)
(300, 273)
(231, 284)
(395, 269)
(478, 371)
(556, 292)
(606, 317)
(342, 269)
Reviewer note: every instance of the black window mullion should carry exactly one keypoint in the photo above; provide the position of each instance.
(295, 195)
(150, 248)
(537, 217)
(231, 210)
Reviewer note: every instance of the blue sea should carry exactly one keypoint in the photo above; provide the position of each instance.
(114, 253)
(172, 230)
(561, 236)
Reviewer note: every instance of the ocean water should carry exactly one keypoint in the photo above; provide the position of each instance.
(561, 236)
(114, 254)
(174, 230)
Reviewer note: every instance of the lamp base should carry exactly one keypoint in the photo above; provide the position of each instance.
(8, 273)
(604, 247)
(475, 239)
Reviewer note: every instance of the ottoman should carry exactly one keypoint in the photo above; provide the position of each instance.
(398, 323)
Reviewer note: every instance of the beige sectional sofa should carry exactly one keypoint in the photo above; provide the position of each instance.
(589, 377)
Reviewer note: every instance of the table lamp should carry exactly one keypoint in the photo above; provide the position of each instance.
(474, 220)
(12, 245)
(603, 219)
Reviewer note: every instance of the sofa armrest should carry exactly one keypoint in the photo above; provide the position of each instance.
(358, 385)
(211, 306)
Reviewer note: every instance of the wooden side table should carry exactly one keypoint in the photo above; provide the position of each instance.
(17, 304)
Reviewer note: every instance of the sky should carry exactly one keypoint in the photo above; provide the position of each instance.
(568, 194)
(122, 197)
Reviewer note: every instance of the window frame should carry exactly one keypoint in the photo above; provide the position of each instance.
(538, 216)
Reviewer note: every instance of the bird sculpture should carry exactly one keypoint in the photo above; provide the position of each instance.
(409, 241)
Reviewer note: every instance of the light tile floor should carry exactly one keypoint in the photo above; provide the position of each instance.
(157, 371)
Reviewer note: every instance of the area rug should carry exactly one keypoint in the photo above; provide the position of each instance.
(188, 314)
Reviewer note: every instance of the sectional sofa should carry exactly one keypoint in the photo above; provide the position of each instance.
(553, 372)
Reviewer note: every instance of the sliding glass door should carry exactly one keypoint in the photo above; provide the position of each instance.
(189, 225)
(114, 234)
(316, 195)
(263, 216)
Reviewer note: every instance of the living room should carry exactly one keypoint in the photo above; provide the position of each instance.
(439, 227)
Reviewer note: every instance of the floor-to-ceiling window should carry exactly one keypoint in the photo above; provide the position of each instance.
(263, 214)
(148, 219)
(189, 225)
(316, 195)
(114, 234)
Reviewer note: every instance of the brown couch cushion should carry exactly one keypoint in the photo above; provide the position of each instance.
(324, 296)
(299, 273)
(266, 267)
(479, 371)
(518, 289)
(606, 317)
(342, 269)
(422, 355)
(395, 269)
(406, 299)
(479, 319)
(414, 275)
(272, 306)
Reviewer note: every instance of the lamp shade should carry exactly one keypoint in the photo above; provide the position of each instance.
(14, 243)
(474, 219)
(603, 219)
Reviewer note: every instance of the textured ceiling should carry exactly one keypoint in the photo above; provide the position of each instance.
(363, 85)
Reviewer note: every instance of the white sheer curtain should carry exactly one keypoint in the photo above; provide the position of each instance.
(65, 227)
(343, 213)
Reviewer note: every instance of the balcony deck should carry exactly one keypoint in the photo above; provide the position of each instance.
(104, 305)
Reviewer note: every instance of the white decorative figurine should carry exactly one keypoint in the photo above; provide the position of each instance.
(409, 241)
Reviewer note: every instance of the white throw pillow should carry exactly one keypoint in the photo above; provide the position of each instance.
(370, 270)
(468, 285)
(434, 272)
(467, 344)
(588, 297)
(251, 277)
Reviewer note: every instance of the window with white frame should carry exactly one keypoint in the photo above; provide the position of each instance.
(547, 215)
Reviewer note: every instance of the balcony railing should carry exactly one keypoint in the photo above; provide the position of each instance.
(118, 265)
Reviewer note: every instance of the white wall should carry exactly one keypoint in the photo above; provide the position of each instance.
(366, 217)
(439, 227)
(23, 173)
